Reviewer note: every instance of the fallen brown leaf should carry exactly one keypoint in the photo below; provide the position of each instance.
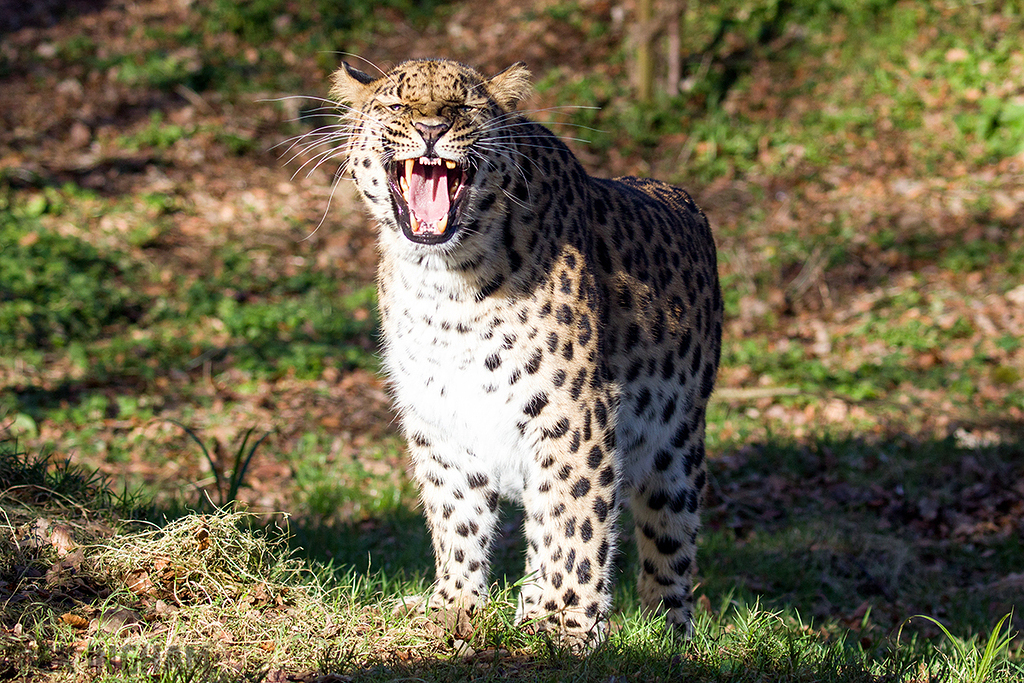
(74, 620)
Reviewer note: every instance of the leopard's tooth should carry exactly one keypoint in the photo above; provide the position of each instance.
(414, 223)
(409, 163)
(442, 224)
(450, 164)
(403, 182)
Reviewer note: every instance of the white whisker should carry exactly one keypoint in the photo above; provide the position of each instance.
(339, 154)
(316, 160)
(338, 177)
(320, 133)
(331, 103)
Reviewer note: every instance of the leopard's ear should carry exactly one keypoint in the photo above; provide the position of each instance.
(511, 86)
(350, 85)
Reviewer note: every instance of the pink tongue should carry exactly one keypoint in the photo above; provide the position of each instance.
(428, 193)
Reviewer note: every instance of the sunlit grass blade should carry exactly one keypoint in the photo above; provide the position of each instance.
(970, 665)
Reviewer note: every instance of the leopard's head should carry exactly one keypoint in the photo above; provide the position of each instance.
(423, 139)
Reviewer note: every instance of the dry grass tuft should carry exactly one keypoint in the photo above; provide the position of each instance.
(203, 560)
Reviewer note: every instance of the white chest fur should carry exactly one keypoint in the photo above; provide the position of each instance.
(436, 352)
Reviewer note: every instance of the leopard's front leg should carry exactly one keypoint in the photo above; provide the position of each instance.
(460, 503)
(571, 512)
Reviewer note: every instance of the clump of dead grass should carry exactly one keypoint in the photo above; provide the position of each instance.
(213, 584)
(216, 585)
(86, 591)
(203, 560)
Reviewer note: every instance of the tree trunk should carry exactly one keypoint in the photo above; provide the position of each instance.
(676, 22)
(645, 51)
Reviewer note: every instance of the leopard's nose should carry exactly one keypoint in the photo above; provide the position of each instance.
(431, 132)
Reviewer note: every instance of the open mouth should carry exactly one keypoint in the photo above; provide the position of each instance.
(427, 194)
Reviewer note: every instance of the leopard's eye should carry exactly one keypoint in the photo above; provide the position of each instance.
(396, 107)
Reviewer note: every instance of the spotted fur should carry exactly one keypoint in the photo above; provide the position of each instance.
(556, 346)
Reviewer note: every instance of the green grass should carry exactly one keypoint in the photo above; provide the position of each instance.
(64, 294)
(57, 289)
(971, 661)
(272, 611)
(810, 46)
(166, 59)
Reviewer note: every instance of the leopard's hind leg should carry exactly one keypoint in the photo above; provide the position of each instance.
(666, 510)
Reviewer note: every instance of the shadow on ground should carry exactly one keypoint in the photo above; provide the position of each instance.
(863, 534)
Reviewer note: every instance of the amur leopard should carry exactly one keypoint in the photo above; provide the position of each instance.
(550, 338)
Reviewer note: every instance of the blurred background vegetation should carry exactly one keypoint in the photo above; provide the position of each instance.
(163, 259)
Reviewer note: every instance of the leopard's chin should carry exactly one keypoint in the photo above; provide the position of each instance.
(428, 197)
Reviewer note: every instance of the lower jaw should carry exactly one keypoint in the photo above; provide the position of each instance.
(427, 237)
(432, 236)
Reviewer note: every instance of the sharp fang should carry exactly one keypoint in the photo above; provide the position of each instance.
(442, 224)
(449, 163)
(414, 223)
(403, 181)
(409, 163)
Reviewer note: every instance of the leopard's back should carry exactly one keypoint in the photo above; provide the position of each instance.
(657, 267)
